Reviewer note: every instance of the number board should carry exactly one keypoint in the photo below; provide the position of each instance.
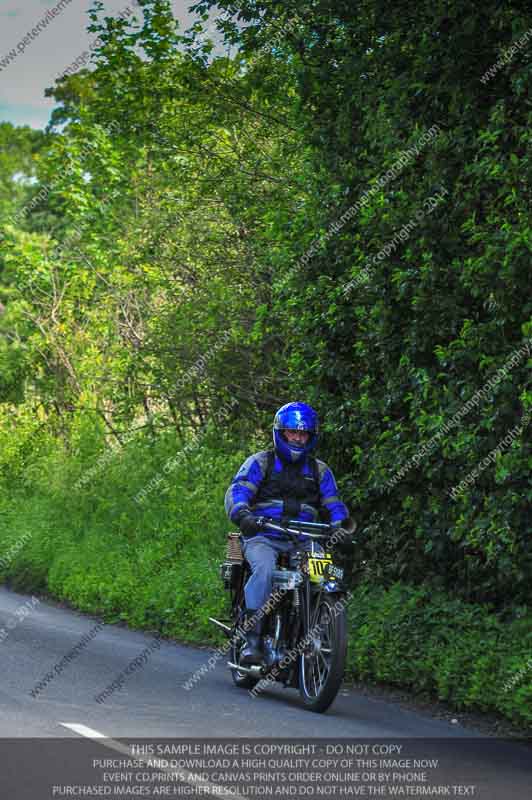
(316, 567)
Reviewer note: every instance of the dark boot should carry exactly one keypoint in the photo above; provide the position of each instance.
(252, 651)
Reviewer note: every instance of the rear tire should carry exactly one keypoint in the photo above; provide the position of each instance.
(321, 667)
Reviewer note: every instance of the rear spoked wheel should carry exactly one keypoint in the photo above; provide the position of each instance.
(322, 663)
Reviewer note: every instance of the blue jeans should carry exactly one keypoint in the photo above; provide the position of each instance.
(261, 553)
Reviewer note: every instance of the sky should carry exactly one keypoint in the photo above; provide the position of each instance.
(52, 49)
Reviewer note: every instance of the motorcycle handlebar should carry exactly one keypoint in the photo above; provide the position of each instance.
(273, 525)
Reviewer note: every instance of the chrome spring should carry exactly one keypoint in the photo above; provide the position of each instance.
(296, 599)
(234, 550)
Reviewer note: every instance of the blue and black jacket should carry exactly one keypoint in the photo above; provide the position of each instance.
(266, 486)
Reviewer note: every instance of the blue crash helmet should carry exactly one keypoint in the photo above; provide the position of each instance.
(300, 417)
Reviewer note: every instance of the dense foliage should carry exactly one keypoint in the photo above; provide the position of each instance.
(336, 209)
(427, 323)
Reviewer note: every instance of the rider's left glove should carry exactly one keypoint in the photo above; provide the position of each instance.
(341, 538)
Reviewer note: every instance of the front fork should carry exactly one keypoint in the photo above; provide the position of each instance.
(335, 590)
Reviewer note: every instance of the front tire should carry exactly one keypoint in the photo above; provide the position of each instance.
(322, 664)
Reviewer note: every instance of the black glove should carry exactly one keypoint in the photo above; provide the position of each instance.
(249, 524)
(342, 537)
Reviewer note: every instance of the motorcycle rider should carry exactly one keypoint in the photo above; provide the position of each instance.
(287, 483)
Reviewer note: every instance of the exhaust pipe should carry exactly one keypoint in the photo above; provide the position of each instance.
(256, 669)
(225, 628)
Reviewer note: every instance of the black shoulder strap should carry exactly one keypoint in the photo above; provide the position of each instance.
(269, 465)
(315, 471)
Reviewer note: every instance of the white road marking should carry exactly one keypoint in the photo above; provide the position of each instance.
(90, 733)
(106, 741)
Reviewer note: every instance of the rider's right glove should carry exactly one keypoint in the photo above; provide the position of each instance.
(249, 524)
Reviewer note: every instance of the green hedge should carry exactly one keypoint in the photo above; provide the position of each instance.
(460, 652)
(153, 564)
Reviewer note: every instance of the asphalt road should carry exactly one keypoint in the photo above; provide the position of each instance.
(153, 703)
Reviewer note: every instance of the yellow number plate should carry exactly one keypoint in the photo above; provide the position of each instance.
(316, 567)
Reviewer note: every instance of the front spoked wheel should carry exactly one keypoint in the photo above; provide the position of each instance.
(322, 664)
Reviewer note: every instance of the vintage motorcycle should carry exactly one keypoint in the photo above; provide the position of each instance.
(304, 627)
